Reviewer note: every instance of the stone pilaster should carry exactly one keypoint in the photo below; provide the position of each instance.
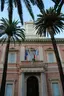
(22, 53)
(21, 85)
(43, 85)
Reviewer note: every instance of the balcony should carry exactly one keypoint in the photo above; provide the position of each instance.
(33, 66)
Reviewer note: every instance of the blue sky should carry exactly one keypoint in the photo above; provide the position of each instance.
(27, 17)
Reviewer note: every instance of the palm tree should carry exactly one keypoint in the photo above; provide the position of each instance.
(18, 4)
(49, 22)
(58, 5)
(9, 32)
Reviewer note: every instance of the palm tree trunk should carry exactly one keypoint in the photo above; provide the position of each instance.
(58, 61)
(2, 90)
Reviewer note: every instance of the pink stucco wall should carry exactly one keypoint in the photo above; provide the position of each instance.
(15, 69)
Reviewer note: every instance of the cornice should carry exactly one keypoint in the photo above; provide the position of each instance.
(41, 40)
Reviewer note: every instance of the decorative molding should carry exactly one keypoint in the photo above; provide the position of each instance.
(36, 64)
(33, 67)
(32, 70)
(13, 49)
(49, 49)
(40, 40)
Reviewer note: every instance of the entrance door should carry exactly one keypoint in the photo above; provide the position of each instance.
(32, 86)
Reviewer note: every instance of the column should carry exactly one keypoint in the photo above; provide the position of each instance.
(21, 85)
(43, 85)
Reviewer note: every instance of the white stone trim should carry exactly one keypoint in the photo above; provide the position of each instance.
(10, 72)
(32, 70)
(10, 67)
(53, 66)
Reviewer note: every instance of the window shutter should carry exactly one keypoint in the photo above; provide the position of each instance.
(40, 53)
(22, 53)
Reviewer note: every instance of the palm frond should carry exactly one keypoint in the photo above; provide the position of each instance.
(15, 3)
(10, 10)
(21, 31)
(58, 5)
(57, 29)
(2, 40)
(28, 6)
(2, 4)
(17, 39)
(39, 3)
(1, 34)
(13, 40)
(20, 12)
(50, 19)
(11, 30)
(18, 4)
(4, 22)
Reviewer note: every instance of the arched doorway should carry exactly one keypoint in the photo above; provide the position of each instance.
(32, 86)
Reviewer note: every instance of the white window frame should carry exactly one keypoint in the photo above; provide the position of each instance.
(9, 61)
(53, 57)
(10, 82)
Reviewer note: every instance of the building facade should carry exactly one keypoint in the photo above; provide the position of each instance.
(32, 67)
